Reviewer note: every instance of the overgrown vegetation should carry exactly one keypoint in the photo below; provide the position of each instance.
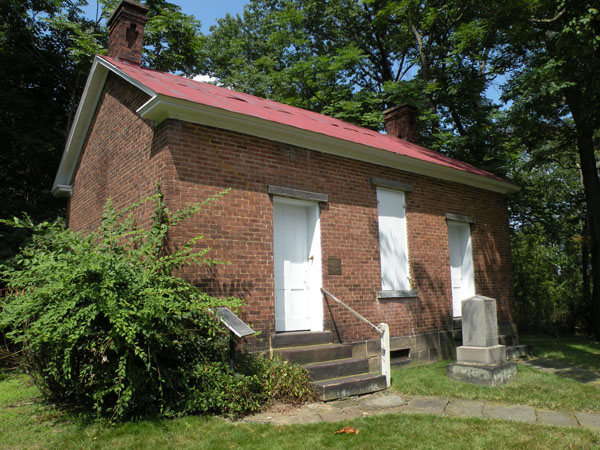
(106, 325)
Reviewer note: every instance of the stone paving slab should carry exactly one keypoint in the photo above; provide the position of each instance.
(464, 408)
(518, 413)
(388, 402)
(588, 420)
(426, 405)
(560, 418)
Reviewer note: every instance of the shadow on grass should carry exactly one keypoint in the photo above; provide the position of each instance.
(568, 352)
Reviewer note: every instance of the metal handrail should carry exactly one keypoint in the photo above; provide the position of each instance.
(333, 297)
(383, 329)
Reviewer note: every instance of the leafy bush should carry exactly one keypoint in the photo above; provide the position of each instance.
(107, 326)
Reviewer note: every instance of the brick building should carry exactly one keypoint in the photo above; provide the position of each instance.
(398, 232)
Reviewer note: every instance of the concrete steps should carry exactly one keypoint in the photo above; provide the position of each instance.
(336, 374)
(347, 386)
(314, 353)
(338, 368)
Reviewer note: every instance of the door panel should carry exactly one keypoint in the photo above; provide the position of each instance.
(291, 260)
(461, 264)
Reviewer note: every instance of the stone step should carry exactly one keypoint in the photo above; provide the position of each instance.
(339, 368)
(314, 353)
(518, 351)
(337, 388)
(300, 338)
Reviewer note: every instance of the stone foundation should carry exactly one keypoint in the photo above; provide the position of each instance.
(422, 348)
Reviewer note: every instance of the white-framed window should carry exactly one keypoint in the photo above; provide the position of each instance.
(393, 242)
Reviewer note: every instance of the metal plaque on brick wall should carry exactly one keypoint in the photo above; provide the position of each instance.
(334, 266)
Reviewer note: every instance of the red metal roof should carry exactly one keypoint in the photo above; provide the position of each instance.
(207, 94)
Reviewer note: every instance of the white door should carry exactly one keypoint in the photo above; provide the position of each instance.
(461, 264)
(297, 260)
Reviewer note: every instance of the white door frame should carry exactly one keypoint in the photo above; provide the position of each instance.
(314, 277)
(467, 286)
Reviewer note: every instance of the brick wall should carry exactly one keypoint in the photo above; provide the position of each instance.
(118, 160)
(194, 161)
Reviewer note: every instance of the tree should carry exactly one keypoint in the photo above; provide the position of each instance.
(554, 50)
(37, 76)
(46, 50)
(353, 59)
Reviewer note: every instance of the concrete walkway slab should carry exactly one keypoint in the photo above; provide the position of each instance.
(464, 408)
(560, 418)
(517, 413)
(426, 405)
(389, 402)
(385, 401)
(588, 420)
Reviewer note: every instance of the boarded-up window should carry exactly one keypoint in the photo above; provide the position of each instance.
(392, 240)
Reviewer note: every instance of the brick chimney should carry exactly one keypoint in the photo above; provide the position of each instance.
(400, 122)
(126, 31)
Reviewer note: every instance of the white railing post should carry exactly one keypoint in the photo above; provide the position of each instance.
(386, 368)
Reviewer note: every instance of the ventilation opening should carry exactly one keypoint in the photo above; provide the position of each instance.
(400, 356)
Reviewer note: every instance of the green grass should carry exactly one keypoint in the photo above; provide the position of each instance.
(26, 422)
(533, 387)
(576, 351)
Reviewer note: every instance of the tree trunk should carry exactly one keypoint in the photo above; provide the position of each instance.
(591, 185)
(585, 263)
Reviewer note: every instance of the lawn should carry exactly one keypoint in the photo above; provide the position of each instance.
(25, 421)
(533, 387)
(569, 350)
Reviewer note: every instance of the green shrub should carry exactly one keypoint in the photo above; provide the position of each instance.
(107, 326)
(279, 379)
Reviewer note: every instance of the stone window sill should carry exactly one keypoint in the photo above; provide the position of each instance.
(398, 295)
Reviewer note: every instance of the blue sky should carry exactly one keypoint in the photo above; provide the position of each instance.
(205, 11)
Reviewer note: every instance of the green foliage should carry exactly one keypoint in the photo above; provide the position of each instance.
(352, 59)
(547, 284)
(280, 380)
(106, 325)
(46, 50)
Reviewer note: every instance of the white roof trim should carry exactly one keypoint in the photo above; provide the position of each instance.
(82, 121)
(160, 108)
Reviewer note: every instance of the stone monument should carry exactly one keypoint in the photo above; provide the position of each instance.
(480, 360)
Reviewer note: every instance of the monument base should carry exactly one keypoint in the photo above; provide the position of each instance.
(495, 354)
(482, 374)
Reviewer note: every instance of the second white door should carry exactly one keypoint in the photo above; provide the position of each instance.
(461, 264)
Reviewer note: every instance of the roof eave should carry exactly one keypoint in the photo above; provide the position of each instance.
(82, 121)
(160, 108)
